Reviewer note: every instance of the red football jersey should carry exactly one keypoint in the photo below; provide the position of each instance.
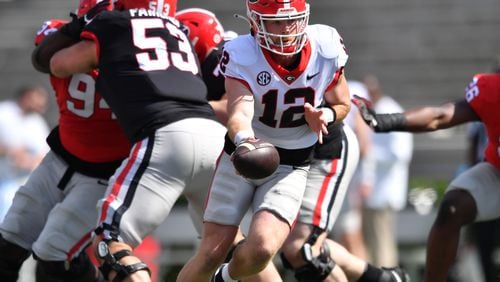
(483, 95)
(87, 127)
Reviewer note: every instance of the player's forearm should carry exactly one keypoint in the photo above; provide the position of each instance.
(427, 119)
(341, 110)
(239, 126)
(40, 57)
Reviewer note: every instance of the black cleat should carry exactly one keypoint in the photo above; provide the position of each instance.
(394, 274)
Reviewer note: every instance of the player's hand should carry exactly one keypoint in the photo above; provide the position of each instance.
(76, 25)
(316, 120)
(366, 111)
(104, 5)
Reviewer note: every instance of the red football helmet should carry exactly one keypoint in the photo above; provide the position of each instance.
(166, 7)
(260, 11)
(204, 30)
(85, 6)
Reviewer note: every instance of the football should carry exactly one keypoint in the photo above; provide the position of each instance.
(255, 159)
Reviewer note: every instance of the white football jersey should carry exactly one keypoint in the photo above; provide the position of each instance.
(280, 94)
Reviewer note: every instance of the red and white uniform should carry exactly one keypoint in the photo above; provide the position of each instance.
(279, 98)
(280, 94)
(483, 95)
(86, 148)
(483, 180)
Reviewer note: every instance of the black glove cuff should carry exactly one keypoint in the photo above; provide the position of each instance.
(73, 28)
(390, 122)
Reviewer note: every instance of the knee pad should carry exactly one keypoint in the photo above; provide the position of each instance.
(317, 268)
(80, 269)
(12, 258)
(112, 263)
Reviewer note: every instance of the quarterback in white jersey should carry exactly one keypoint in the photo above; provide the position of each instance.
(284, 84)
(279, 93)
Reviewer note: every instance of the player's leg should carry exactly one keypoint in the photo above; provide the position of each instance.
(269, 274)
(276, 203)
(327, 182)
(267, 234)
(214, 246)
(12, 257)
(59, 250)
(457, 209)
(147, 185)
(229, 199)
(28, 214)
(473, 195)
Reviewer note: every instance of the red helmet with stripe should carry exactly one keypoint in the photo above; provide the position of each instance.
(166, 7)
(261, 11)
(204, 30)
(85, 6)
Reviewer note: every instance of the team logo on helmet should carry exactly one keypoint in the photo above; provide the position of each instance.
(263, 78)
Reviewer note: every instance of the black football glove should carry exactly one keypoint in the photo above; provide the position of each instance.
(379, 122)
(76, 25)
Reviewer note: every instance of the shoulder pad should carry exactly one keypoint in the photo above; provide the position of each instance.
(327, 39)
(242, 50)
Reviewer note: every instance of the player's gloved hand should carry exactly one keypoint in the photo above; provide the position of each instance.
(76, 25)
(366, 111)
(379, 122)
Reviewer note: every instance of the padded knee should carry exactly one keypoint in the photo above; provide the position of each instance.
(80, 269)
(12, 258)
(317, 268)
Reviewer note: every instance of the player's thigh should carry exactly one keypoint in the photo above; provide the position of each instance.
(230, 195)
(282, 192)
(482, 181)
(33, 202)
(327, 184)
(206, 154)
(167, 164)
(70, 222)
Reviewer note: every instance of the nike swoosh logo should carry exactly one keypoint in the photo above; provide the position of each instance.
(102, 182)
(309, 77)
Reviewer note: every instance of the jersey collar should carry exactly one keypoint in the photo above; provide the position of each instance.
(290, 76)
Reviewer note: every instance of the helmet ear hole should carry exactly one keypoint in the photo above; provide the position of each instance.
(204, 30)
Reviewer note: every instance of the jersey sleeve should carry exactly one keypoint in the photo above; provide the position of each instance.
(47, 28)
(238, 54)
(476, 92)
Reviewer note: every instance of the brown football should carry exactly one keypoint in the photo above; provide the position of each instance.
(255, 159)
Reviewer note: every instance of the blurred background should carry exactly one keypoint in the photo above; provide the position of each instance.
(422, 51)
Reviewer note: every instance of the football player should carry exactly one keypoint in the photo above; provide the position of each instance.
(208, 37)
(149, 76)
(473, 195)
(276, 80)
(52, 213)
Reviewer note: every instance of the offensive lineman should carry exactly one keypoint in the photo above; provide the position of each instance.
(52, 213)
(150, 77)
